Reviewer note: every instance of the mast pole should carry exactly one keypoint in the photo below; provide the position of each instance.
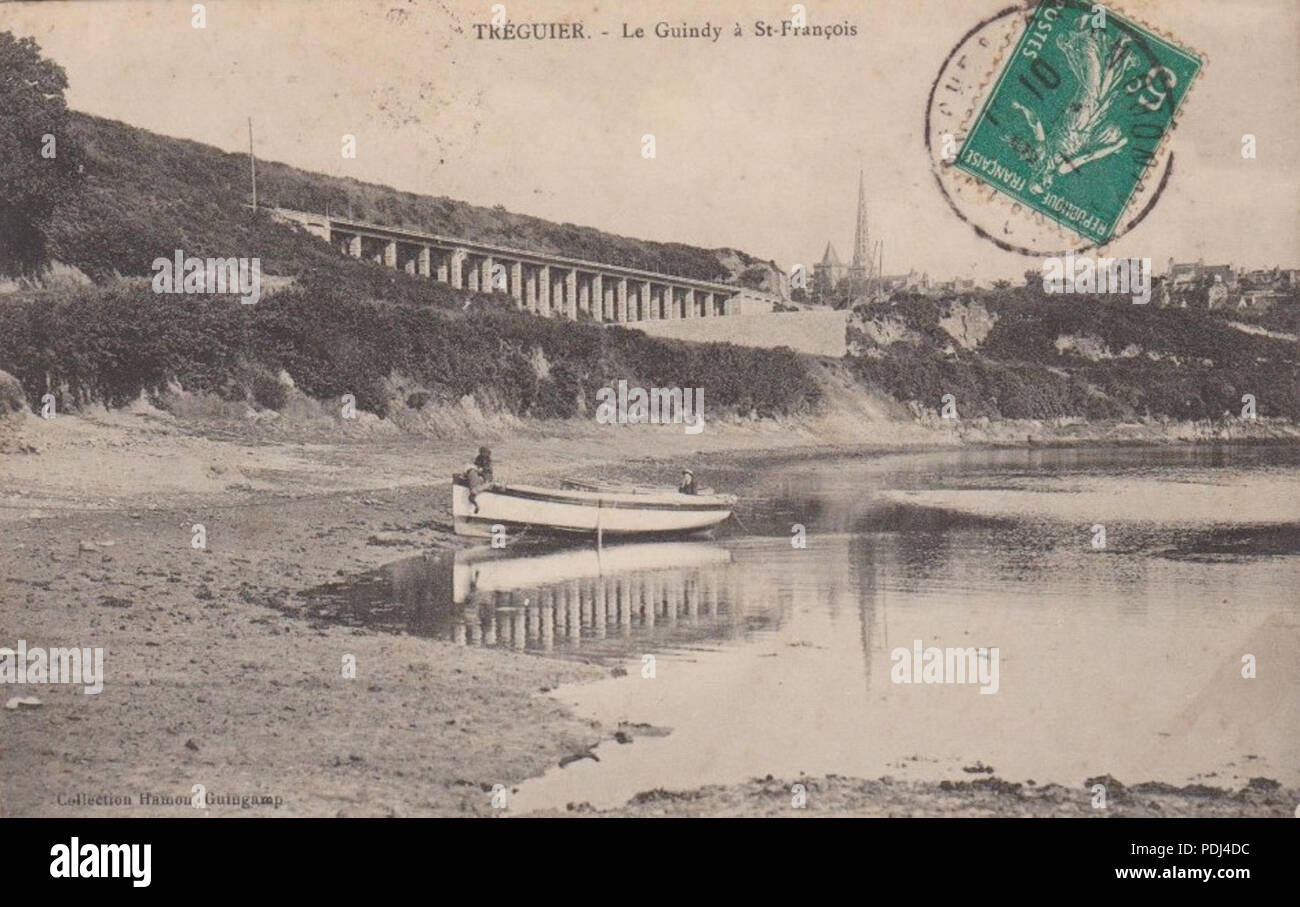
(252, 162)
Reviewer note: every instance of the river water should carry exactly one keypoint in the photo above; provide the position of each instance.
(1110, 599)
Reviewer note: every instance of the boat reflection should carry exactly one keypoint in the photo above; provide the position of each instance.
(674, 593)
(619, 600)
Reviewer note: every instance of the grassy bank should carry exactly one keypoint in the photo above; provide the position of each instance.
(110, 345)
(146, 192)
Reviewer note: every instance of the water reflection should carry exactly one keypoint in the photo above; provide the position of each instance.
(1123, 661)
(673, 593)
(615, 600)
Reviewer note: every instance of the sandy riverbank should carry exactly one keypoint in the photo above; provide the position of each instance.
(208, 685)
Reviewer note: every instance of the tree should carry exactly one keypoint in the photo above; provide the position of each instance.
(39, 159)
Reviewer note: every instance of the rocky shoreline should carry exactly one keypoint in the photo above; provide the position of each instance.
(842, 797)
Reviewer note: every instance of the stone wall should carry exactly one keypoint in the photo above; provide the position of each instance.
(819, 333)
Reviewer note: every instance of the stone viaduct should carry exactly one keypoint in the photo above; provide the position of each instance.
(541, 283)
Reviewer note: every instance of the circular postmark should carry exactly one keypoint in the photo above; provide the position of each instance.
(966, 77)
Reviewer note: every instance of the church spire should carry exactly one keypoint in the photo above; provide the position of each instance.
(861, 244)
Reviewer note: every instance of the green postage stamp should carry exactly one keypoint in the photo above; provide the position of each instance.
(1078, 114)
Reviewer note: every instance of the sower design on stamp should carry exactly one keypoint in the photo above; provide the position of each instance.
(1078, 115)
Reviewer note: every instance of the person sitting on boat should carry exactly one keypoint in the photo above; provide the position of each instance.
(478, 475)
(687, 485)
(484, 463)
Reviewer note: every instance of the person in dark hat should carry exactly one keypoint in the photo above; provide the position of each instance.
(687, 485)
(484, 463)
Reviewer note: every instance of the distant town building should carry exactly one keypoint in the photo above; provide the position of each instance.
(834, 283)
(911, 282)
(956, 285)
(1259, 300)
(1223, 287)
(1260, 277)
(1188, 274)
(1270, 278)
(752, 302)
(828, 273)
(1217, 295)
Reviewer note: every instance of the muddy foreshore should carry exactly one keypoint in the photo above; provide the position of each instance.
(210, 680)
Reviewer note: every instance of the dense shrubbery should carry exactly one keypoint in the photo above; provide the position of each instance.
(12, 398)
(1121, 388)
(1285, 316)
(343, 326)
(985, 388)
(1171, 362)
(1028, 331)
(110, 344)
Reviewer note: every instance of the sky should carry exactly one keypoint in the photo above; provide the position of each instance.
(758, 142)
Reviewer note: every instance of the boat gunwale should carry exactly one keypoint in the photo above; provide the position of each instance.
(615, 500)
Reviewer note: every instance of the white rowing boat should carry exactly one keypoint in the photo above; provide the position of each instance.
(593, 511)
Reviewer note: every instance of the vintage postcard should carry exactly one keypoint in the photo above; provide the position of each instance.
(444, 408)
